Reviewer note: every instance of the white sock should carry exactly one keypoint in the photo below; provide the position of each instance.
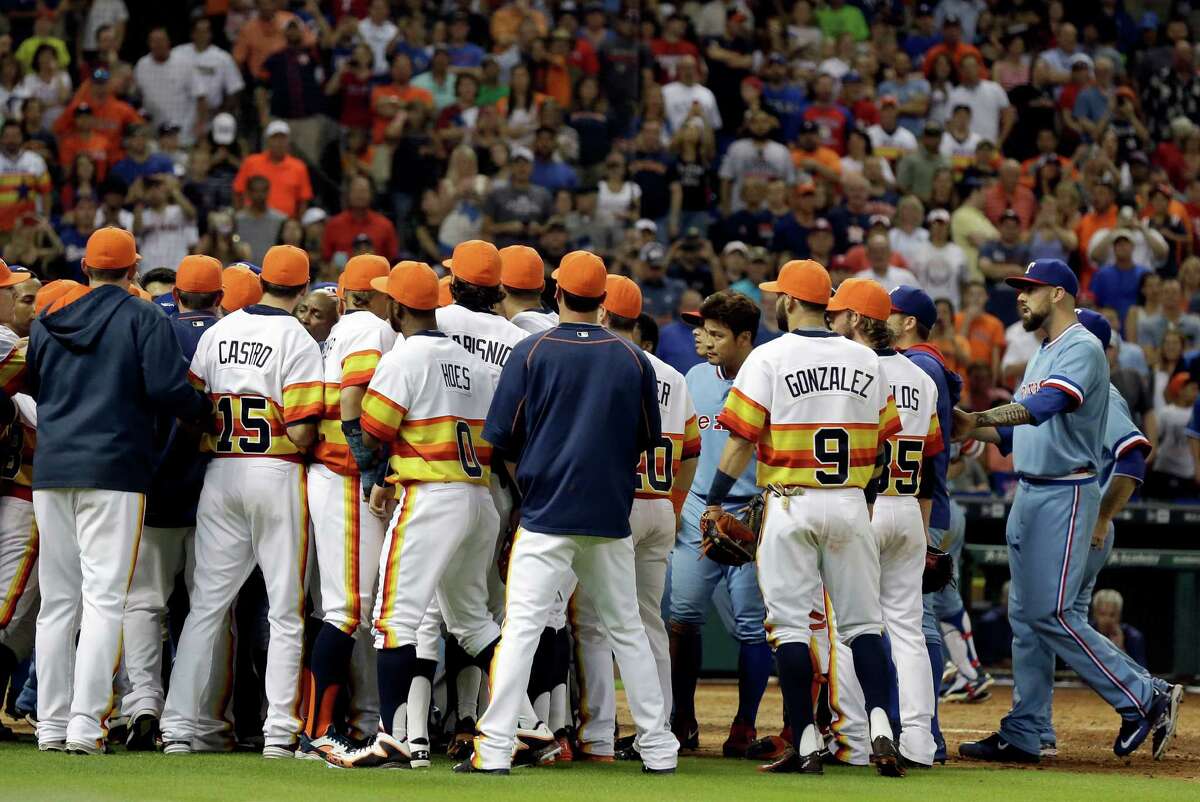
(956, 647)
(560, 713)
(400, 723)
(419, 694)
(541, 706)
(879, 724)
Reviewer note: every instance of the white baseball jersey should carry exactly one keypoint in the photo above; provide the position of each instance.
(489, 337)
(535, 320)
(920, 436)
(263, 371)
(680, 433)
(353, 349)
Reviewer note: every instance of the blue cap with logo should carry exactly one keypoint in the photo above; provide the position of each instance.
(1097, 324)
(916, 302)
(1046, 273)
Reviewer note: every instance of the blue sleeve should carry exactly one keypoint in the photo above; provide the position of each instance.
(1133, 465)
(505, 424)
(1193, 426)
(164, 370)
(1006, 439)
(1048, 402)
(1078, 370)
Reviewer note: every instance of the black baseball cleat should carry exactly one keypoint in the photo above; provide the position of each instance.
(886, 757)
(1164, 728)
(463, 743)
(996, 750)
(1134, 731)
(791, 762)
(913, 764)
(648, 770)
(467, 767)
(689, 736)
(625, 742)
(143, 733)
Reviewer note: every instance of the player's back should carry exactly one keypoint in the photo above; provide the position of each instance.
(680, 438)
(920, 434)
(818, 406)
(487, 336)
(429, 398)
(262, 371)
(1069, 443)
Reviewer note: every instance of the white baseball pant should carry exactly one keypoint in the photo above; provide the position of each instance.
(833, 660)
(605, 568)
(18, 575)
(252, 510)
(900, 532)
(163, 553)
(89, 544)
(653, 524)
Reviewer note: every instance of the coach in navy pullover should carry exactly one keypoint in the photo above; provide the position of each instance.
(575, 408)
(102, 368)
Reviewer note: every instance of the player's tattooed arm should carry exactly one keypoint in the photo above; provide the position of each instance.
(1007, 415)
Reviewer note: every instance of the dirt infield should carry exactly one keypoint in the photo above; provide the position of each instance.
(1086, 727)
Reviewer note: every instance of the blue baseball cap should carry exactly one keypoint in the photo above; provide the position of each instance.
(916, 302)
(1046, 273)
(1097, 324)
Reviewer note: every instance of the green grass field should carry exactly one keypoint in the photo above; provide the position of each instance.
(26, 774)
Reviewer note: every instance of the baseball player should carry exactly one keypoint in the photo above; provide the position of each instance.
(348, 537)
(101, 365)
(523, 277)
(1123, 468)
(167, 546)
(859, 311)
(729, 321)
(426, 403)
(653, 523)
(819, 410)
(240, 287)
(963, 678)
(1064, 395)
(576, 480)
(18, 533)
(913, 318)
(263, 373)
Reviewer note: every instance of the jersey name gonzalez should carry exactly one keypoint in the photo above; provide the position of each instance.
(829, 379)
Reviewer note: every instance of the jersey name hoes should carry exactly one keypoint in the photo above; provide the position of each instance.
(456, 377)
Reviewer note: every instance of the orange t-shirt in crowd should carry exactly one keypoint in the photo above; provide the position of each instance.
(984, 336)
(957, 53)
(827, 157)
(111, 117)
(290, 186)
(93, 144)
(507, 20)
(405, 94)
(1089, 224)
(258, 40)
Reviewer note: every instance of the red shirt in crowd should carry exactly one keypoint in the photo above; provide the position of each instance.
(342, 228)
(833, 122)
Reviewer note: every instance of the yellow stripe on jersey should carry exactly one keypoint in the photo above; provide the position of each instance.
(381, 417)
(197, 382)
(359, 367)
(445, 449)
(667, 455)
(303, 400)
(332, 450)
(934, 442)
(743, 416)
(691, 438)
(249, 426)
(818, 455)
(889, 419)
(904, 457)
(12, 372)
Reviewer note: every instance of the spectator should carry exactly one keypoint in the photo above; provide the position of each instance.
(1165, 363)
(814, 158)
(858, 153)
(169, 86)
(390, 101)
(34, 244)
(672, 47)
(998, 260)
(256, 223)
(1173, 91)
(1106, 613)
(661, 295)
(940, 265)
(509, 17)
(730, 60)
(1172, 475)
(264, 35)
(1060, 58)
(1149, 246)
(832, 120)
(378, 32)
(692, 261)
(43, 36)
(684, 95)
(653, 169)
(960, 142)
(439, 81)
(359, 219)
(290, 190)
(49, 82)
(983, 331)
(219, 81)
(952, 46)
(1050, 238)
(1116, 285)
(694, 150)
(789, 239)
(915, 172)
(1102, 214)
(839, 17)
(908, 237)
(164, 222)
(992, 116)
(618, 203)
(783, 98)
(514, 214)
(1020, 345)
(140, 161)
(757, 156)
(1153, 321)
(1011, 69)
(851, 218)
(954, 347)
(1008, 194)
(110, 115)
(882, 269)
(888, 138)
(1035, 105)
(1093, 104)
(548, 171)
(1160, 217)
(26, 189)
(293, 92)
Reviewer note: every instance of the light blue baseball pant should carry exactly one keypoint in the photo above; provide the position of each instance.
(1049, 540)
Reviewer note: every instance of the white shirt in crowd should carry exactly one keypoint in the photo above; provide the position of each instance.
(169, 92)
(49, 92)
(217, 74)
(893, 146)
(1173, 454)
(892, 278)
(986, 100)
(1020, 346)
(378, 37)
(940, 270)
(101, 13)
(611, 204)
(909, 245)
(165, 237)
(679, 98)
(746, 158)
(951, 148)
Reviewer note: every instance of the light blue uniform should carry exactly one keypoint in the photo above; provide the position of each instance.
(694, 577)
(1121, 436)
(1049, 536)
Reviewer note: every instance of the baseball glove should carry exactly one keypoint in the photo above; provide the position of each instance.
(939, 570)
(730, 540)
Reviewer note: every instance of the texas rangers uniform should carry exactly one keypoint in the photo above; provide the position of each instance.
(900, 532)
(348, 537)
(652, 521)
(263, 372)
(1049, 526)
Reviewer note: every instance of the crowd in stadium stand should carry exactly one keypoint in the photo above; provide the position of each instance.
(695, 146)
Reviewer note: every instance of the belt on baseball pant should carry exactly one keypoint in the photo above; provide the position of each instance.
(1070, 480)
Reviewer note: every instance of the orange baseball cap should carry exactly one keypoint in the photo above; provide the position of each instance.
(111, 248)
(198, 273)
(361, 271)
(286, 266)
(622, 297)
(802, 279)
(581, 273)
(862, 295)
(521, 268)
(444, 296)
(476, 262)
(413, 284)
(242, 288)
(138, 292)
(51, 292)
(10, 279)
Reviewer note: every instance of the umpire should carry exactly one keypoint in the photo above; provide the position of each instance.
(575, 408)
(102, 366)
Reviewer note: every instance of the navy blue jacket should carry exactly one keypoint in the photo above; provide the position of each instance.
(575, 408)
(179, 475)
(949, 387)
(102, 369)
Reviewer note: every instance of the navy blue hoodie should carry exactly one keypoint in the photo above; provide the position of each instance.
(949, 385)
(102, 369)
